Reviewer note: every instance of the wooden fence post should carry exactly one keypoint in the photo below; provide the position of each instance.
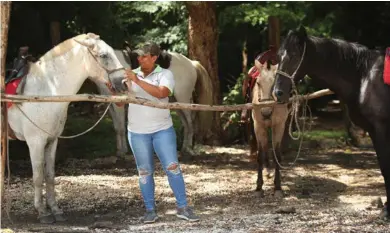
(5, 16)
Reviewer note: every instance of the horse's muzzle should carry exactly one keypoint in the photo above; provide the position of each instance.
(266, 112)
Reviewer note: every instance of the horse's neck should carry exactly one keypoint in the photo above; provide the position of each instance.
(63, 75)
(341, 81)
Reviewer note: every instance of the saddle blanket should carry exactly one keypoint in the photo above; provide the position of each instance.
(386, 71)
(10, 89)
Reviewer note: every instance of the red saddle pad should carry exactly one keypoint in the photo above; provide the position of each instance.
(10, 89)
(386, 71)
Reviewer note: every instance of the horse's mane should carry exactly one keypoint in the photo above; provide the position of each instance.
(62, 48)
(345, 54)
(164, 60)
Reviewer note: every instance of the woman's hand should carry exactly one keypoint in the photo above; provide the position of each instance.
(131, 76)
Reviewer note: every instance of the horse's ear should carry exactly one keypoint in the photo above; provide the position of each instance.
(302, 32)
(258, 64)
(93, 36)
(84, 43)
(126, 44)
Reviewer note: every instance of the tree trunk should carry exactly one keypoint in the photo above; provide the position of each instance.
(244, 57)
(55, 32)
(5, 17)
(202, 46)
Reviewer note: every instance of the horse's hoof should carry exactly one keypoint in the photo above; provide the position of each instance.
(259, 193)
(384, 215)
(60, 217)
(48, 219)
(278, 194)
(268, 173)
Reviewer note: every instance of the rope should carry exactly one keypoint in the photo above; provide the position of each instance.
(294, 112)
(67, 137)
(7, 200)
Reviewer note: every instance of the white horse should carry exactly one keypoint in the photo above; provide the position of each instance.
(61, 71)
(187, 74)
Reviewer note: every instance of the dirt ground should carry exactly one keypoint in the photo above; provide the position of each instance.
(331, 188)
(328, 190)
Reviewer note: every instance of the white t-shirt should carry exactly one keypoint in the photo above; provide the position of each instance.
(144, 119)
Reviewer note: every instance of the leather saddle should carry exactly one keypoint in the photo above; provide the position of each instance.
(20, 68)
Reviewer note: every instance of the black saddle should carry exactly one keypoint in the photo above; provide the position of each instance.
(20, 65)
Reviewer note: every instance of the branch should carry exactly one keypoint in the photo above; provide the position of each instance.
(129, 99)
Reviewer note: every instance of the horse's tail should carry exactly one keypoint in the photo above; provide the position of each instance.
(204, 86)
(203, 95)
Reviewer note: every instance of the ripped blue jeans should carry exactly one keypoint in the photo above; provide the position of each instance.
(164, 144)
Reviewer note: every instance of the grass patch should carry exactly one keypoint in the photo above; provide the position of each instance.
(99, 142)
(323, 134)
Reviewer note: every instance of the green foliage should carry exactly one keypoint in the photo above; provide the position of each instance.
(230, 120)
(234, 96)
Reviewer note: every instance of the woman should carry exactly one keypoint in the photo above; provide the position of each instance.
(151, 129)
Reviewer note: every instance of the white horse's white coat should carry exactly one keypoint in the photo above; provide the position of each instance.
(61, 71)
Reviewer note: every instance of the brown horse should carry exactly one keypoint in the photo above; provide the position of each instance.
(265, 118)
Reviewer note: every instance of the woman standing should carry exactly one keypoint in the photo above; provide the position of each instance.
(151, 130)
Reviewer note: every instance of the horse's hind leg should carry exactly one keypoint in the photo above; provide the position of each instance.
(50, 155)
(186, 120)
(118, 118)
(380, 140)
(36, 147)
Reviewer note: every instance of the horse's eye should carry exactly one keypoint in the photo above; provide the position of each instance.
(103, 55)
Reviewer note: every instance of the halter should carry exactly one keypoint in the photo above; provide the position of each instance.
(107, 70)
(296, 70)
(109, 85)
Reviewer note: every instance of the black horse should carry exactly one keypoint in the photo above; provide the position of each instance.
(354, 73)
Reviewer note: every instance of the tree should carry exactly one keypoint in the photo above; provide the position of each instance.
(202, 46)
(5, 16)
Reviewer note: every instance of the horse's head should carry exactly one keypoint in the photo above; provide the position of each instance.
(104, 63)
(266, 63)
(291, 55)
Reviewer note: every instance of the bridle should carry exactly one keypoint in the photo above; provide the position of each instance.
(108, 71)
(291, 77)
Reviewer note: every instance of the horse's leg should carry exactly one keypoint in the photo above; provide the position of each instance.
(262, 150)
(50, 155)
(380, 138)
(118, 118)
(36, 147)
(190, 132)
(277, 136)
(186, 121)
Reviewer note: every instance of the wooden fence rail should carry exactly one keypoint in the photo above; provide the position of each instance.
(129, 99)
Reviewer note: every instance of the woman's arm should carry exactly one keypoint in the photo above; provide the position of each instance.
(156, 91)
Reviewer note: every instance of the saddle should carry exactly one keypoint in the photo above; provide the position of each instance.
(269, 56)
(386, 71)
(14, 79)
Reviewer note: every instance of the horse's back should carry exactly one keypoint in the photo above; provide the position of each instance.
(184, 73)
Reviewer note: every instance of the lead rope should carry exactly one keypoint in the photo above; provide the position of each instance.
(294, 112)
(66, 137)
